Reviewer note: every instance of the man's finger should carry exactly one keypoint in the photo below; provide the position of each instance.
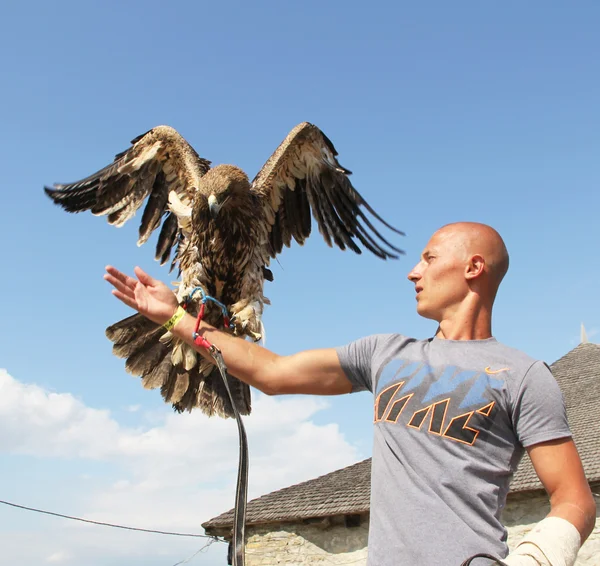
(122, 287)
(125, 299)
(129, 281)
(144, 277)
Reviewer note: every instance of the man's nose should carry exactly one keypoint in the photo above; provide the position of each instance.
(414, 274)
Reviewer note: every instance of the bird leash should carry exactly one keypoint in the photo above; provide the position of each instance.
(241, 489)
(468, 561)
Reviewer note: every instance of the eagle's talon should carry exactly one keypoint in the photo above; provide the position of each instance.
(256, 336)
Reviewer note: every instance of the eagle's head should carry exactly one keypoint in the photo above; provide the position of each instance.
(225, 187)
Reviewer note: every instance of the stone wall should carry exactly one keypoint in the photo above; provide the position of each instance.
(331, 541)
(522, 512)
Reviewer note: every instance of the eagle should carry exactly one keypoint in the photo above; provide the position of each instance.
(221, 231)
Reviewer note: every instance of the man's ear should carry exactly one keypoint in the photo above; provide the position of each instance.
(475, 267)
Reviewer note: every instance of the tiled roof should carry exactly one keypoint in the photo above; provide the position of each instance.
(578, 375)
(347, 491)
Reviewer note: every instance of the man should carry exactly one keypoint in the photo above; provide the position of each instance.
(453, 414)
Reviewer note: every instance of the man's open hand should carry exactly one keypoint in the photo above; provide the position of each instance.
(149, 296)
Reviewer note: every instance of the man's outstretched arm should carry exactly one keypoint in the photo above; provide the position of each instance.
(316, 372)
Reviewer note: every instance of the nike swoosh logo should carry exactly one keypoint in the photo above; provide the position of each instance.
(491, 371)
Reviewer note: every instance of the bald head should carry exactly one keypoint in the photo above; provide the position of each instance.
(461, 267)
(470, 239)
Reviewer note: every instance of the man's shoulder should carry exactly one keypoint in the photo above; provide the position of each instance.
(385, 342)
(519, 360)
(395, 339)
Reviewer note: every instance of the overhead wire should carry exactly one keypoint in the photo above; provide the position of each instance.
(197, 552)
(104, 524)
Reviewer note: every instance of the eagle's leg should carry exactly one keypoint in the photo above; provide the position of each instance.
(246, 319)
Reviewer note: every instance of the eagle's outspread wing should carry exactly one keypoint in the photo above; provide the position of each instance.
(158, 162)
(302, 176)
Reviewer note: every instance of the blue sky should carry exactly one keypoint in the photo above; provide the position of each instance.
(443, 111)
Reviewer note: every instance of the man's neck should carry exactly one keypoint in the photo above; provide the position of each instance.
(471, 320)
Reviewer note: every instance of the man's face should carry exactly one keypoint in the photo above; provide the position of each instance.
(439, 277)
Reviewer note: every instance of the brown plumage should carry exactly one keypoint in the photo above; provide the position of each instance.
(224, 230)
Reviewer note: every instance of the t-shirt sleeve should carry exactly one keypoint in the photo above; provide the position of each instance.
(356, 359)
(539, 412)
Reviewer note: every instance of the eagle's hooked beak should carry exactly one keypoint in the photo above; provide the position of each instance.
(213, 206)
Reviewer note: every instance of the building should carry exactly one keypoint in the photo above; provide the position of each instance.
(326, 520)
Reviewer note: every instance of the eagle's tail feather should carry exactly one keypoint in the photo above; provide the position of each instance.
(158, 375)
(200, 385)
(128, 328)
(210, 394)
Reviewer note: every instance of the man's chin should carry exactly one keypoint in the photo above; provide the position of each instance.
(423, 311)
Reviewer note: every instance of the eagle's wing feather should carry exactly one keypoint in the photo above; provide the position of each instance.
(303, 176)
(158, 162)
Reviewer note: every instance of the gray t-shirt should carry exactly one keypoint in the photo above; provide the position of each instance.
(452, 418)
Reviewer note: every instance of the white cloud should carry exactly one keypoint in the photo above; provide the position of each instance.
(171, 475)
(58, 557)
(51, 424)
